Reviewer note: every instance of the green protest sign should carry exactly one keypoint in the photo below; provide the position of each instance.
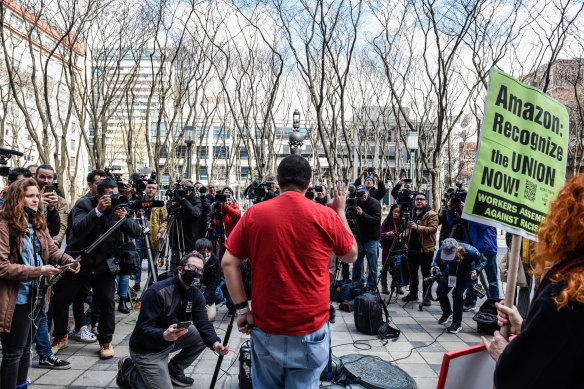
(521, 159)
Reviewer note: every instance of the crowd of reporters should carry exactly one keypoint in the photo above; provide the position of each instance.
(187, 230)
(126, 220)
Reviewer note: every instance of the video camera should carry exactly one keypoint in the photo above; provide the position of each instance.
(405, 200)
(257, 190)
(5, 155)
(116, 176)
(119, 201)
(310, 192)
(458, 197)
(140, 179)
(178, 190)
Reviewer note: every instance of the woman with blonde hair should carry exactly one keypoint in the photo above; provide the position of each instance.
(26, 249)
(549, 348)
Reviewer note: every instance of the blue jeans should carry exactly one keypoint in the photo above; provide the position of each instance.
(491, 271)
(289, 361)
(463, 282)
(371, 249)
(123, 284)
(43, 342)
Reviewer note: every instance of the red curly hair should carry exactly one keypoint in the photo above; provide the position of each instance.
(561, 237)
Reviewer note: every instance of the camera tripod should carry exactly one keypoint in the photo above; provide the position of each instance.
(172, 240)
(393, 253)
(153, 273)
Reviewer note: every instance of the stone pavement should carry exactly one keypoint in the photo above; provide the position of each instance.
(418, 350)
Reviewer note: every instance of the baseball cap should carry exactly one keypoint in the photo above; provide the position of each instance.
(449, 247)
(361, 189)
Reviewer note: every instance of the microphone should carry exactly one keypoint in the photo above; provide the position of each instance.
(5, 151)
(151, 204)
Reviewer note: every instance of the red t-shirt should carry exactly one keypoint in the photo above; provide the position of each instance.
(289, 240)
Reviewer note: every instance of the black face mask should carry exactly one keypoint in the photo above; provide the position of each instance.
(190, 276)
(30, 212)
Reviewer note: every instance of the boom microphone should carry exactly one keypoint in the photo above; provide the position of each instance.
(5, 151)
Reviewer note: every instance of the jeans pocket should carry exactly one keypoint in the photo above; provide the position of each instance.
(260, 343)
(316, 348)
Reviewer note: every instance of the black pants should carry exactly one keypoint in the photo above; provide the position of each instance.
(66, 290)
(16, 346)
(418, 260)
(79, 306)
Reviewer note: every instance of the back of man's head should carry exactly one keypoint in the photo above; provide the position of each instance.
(18, 171)
(106, 183)
(294, 171)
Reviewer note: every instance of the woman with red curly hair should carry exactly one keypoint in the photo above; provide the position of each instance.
(26, 248)
(549, 348)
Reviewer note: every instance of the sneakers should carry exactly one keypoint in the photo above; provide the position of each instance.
(84, 335)
(136, 287)
(59, 344)
(454, 328)
(106, 351)
(400, 291)
(94, 330)
(181, 380)
(469, 308)
(120, 379)
(53, 362)
(445, 318)
(410, 297)
(427, 303)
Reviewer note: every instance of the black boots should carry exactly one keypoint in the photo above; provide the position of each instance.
(122, 307)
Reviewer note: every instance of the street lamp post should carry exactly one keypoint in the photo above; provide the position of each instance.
(189, 137)
(413, 146)
(296, 138)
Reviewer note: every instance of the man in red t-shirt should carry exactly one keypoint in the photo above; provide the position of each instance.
(289, 241)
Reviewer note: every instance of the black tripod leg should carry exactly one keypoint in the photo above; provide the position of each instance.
(225, 340)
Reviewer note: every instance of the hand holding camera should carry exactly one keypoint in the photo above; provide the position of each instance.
(120, 212)
(49, 199)
(104, 202)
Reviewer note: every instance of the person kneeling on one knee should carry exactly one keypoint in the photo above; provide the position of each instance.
(165, 324)
(461, 263)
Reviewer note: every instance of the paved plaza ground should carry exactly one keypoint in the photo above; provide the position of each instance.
(418, 329)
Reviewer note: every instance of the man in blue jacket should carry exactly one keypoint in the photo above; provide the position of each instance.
(461, 264)
(157, 334)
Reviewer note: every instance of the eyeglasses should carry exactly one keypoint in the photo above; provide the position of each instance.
(420, 199)
(193, 267)
(189, 188)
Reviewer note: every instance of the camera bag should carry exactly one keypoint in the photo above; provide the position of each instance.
(367, 314)
(128, 258)
(486, 317)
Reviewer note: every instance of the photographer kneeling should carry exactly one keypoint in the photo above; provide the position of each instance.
(165, 325)
(462, 264)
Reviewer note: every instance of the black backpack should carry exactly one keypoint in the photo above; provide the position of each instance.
(367, 314)
(486, 317)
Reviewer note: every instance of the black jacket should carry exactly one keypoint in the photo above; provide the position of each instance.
(378, 193)
(190, 216)
(548, 351)
(165, 303)
(369, 221)
(87, 227)
(211, 278)
(53, 220)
